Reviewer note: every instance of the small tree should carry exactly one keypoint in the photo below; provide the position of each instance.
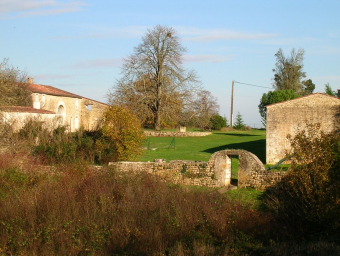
(124, 130)
(239, 124)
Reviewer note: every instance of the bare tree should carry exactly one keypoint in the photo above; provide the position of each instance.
(13, 86)
(153, 76)
(199, 111)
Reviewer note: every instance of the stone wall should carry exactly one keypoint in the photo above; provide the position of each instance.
(290, 116)
(176, 134)
(214, 173)
(91, 113)
(248, 163)
(74, 112)
(178, 172)
(263, 179)
(18, 118)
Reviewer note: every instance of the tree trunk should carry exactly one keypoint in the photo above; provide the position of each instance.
(158, 121)
(158, 108)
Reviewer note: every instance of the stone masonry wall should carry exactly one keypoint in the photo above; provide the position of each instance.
(214, 173)
(248, 163)
(176, 134)
(263, 179)
(91, 113)
(290, 116)
(178, 172)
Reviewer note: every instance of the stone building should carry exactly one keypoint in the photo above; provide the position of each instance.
(288, 117)
(54, 107)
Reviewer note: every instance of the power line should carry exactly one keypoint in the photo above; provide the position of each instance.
(253, 85)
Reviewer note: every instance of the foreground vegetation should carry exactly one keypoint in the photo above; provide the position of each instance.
(106, 213)
(78, 211)
(75, 209)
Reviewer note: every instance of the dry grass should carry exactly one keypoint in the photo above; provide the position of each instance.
(82, 212)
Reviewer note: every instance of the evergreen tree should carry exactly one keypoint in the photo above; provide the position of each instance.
(239, 124)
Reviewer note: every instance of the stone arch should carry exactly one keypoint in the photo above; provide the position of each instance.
(248, 162)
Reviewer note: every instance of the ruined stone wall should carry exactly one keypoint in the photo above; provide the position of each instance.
(263, 179)
(287, 117)
(176, 134)
(214, 173)
(91, 113)
(178, 172)
(248, 163)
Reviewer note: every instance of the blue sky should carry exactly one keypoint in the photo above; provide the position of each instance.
(79, 45)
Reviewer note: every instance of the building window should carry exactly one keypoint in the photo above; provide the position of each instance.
(89, 107)
(77, 103)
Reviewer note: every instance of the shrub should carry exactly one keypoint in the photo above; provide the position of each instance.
(306, 201)
(123, 129)
(217, 122)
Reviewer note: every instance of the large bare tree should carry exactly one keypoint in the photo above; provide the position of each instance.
(153, 76)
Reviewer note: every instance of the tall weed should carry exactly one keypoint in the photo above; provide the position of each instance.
(73, 212)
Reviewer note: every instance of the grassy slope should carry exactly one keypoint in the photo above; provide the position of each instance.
(201, 148)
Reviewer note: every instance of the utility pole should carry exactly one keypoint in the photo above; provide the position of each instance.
(231, 109)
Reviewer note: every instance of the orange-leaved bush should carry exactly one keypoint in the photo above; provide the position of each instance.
(124, 129)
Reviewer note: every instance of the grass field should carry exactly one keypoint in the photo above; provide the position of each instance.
(201, 148)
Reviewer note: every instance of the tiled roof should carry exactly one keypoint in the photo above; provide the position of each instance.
(50, 90)
(25, 110)
(309, 95)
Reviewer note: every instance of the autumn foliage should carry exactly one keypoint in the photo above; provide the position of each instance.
(307, 201)
(124, 130)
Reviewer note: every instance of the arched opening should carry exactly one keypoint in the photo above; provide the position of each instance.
(234, 169)
(61, 113)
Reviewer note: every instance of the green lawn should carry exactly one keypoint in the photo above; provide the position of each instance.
(201, 148)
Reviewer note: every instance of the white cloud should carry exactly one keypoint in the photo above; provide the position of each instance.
(98, 63)
(206, 58)
(208, 35)
(27, 8)
(124, 32)
(51, 77)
